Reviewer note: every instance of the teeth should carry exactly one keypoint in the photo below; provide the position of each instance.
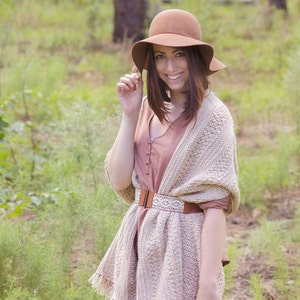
(174, 77)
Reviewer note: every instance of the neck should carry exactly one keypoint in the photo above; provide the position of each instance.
(178, 98)
(176, 107)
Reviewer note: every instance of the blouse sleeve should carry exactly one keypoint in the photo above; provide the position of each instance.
(219, 204)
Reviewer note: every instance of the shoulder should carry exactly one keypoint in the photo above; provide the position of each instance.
(145, 111)
(145, 105)
(211, 103)
(213, 115)
(145, 108)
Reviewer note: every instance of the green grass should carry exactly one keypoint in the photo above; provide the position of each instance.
(272, 241)
(58, 71)
(256, 287)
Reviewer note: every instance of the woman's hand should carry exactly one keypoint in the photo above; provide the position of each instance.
(120, 160)
(130, 92)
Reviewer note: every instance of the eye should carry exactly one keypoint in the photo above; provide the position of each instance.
(159, 56)
(180, 54)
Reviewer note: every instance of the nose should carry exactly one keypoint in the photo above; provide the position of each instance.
(170, 64)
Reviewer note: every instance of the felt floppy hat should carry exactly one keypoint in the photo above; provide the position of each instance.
(175, 28)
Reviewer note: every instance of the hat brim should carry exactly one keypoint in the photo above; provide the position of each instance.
(139, 50)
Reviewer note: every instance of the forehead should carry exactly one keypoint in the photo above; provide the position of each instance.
(166, 49)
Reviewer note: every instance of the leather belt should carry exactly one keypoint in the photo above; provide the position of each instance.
(150, 199)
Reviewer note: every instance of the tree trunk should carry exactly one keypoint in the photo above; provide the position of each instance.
(280, 4)
(129, 19)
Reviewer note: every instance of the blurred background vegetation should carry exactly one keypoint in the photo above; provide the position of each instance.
(59, 115)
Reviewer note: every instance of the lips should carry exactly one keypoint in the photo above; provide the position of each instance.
(174, 77)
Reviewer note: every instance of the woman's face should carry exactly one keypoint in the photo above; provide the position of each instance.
(172, 67)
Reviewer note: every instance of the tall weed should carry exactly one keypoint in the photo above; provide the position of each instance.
(13, 292)
(263, 240)
(256, 287)
(266, 169)
(292, 87)
(81, 142)
(10, 251)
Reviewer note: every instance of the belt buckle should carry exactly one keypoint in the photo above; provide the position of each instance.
(146, 197)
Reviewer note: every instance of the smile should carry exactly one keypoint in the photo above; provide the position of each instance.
(174, 77)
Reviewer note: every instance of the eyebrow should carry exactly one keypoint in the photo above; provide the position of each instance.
(174, 51)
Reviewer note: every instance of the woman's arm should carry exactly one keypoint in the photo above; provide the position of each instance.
(213, 243)
(120, 159)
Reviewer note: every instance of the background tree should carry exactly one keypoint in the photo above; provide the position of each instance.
(280, 4)
(129, 19)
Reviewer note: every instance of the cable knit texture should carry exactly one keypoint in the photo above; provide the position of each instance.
(166, 261)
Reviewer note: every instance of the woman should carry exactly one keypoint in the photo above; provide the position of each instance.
(174, 160)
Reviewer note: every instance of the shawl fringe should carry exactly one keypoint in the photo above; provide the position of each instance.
(102, 285)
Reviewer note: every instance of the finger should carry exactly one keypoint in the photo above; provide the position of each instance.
(135, 71)
(129, 80)
(134, 78)
(123, 86)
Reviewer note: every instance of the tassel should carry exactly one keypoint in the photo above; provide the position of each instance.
(102, 285)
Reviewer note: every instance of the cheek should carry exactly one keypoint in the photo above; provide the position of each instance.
(184, 65)
(158, 66)
(159, 69)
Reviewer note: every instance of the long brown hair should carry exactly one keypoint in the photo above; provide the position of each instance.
(198, 84)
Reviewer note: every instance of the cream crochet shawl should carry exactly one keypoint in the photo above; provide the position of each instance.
(204, 165)
(202, 168)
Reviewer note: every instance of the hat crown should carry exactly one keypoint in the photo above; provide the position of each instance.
(175, 28)
(177, 22)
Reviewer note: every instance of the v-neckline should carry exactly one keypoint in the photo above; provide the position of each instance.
(165, 132)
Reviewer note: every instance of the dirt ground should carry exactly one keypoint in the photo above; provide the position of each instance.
(239, 227)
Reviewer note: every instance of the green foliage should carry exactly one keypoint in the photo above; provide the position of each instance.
(229, 270)
(292, 80)
(13, 292)
(10, 250)
(267, 168)
(80, 146)
(264, 239)
(3, 124)
(44, 254)
(256, 287)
